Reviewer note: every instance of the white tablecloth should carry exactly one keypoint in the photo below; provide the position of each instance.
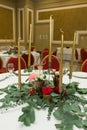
(5, 58)
(9, 119)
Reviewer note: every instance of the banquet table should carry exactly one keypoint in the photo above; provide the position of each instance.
(5, 56)
(9, 118)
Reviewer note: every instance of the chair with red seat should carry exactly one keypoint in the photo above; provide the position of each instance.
(54, 62)
(14, 60)
(1, 63)
(84, 66)
(83, 55)
(76, 54)
(25, 57)
(2, 70)
(45, 52)
(54, 52)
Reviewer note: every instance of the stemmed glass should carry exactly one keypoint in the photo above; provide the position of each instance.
(40, 68)
(10, 68)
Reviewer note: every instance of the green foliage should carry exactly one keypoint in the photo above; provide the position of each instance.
(28, 115)
(70, 105)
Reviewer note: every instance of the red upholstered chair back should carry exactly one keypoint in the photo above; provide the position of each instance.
(25, 57)
(84, 66)
(1, 63)
(2, 70)
(54, 62)
(83, 54)
(76, 54)
(32, 48)
(14, 60)
(45, 52)
(54, 52)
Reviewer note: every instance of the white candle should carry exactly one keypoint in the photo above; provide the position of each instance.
(29, 51)
(19, 67)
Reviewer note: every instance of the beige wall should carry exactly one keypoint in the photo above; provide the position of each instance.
(40, 29)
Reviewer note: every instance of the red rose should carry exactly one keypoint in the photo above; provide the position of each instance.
(46, 90)
(56, 89)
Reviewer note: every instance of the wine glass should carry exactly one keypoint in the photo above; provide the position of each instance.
(40, 68)
(10, 68)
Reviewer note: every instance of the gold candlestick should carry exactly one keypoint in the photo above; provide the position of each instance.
(29, 53)
(50, 42)
(19, 67)
(61, 64)
(72, 57)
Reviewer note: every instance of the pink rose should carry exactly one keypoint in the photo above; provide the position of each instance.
(33, 76)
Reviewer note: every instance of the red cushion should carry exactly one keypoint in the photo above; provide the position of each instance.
(83, 54)
(54, 62)
(14, 60)
(1, 63)
(76, 54)
(25, 57)
(84, 66)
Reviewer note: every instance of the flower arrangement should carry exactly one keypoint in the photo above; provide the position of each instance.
(69, 107)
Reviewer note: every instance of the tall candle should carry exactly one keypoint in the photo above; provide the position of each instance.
(19, 67)
(29, 53)
(50, 44)
(72, 57)
(61, 64)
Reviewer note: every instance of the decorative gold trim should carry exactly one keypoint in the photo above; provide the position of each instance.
(21, 24)
(46, 19)
(30, 20)
(80, 34)
(6, 40)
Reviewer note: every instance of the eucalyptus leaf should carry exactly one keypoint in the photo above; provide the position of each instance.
(75, 107)
(82, 91)
(28, 115)
(85, 122)
(78, 123)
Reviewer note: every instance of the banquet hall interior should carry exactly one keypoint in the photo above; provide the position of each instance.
(43, 64)
(16, 16)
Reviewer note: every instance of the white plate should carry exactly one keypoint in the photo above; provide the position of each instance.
(79, 74)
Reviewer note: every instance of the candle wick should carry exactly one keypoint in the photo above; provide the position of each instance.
(61, 30)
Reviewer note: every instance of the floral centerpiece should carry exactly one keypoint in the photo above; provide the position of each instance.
(38, 92)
